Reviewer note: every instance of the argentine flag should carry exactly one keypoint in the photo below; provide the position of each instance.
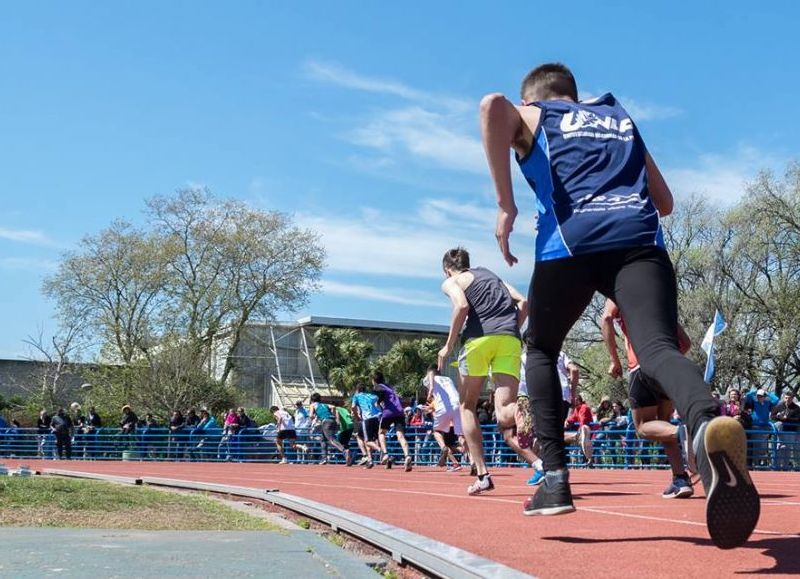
(708, 343)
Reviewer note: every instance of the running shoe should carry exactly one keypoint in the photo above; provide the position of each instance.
(553, 497)
(454, 468)
(363, 460)
(324, 461)
(369, 464)
(283, 461)
(384, 458)
(481, 486)
(389, 462)
(679, 488)
(348, 457)
(408, 464)
(536, 479)
(732, 501)
(524, 420)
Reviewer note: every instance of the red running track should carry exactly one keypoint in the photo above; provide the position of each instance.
(622, 528)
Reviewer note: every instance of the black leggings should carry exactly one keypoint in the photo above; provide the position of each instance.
(642, 283)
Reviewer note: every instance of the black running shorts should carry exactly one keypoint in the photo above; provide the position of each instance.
(644, 391)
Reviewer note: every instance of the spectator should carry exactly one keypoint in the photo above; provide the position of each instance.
(61, 425)
(733, 408)
(720, 402)
(786, 415)
(244, 420)
(43, 431)
(206, 421)
(177, 438)
(230, 428)
(129, 421)
(192, 419)
(577, 430)
(201, 433)
(605, 412)
(79, 429)
(760, 405)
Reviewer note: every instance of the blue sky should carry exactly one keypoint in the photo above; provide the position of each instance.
(358, 118)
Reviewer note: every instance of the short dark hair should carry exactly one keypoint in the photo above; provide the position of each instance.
(361, 387)
(315, 397)
(548, 81)
(273, 409)
(456, 259)
(377, 377)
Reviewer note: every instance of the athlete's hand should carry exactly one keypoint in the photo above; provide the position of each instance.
(505, 225)
(444, 353)
(615, 369)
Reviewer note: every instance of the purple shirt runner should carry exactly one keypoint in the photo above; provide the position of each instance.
(392, 406)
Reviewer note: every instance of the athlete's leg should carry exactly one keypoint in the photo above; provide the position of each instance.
(642, 283)
(279, 446)
(470, 391)
(559, 292)
(505, 400)
(671, 448)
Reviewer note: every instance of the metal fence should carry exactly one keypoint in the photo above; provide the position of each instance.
(768, 449)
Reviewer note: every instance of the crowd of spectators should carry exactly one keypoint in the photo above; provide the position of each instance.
(772, 422)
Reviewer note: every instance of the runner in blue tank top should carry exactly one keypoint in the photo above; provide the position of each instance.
(599, 196)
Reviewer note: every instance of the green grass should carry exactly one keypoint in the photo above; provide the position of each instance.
(55, 502)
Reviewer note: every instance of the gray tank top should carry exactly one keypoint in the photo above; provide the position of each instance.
(492, 310)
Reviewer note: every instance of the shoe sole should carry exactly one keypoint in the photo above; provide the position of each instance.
(408, 466)
(481, 491)
(732, 501)
(684, 493)
(550, 511)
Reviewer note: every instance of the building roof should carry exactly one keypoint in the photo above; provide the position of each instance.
(405, 327)
(373, 325)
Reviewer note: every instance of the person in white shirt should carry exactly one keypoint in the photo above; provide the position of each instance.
(286, 431)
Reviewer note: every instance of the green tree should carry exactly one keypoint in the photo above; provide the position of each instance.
(407, 361)
(343, 357)
(171, 297)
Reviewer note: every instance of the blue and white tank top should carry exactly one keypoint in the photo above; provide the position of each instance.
(587, 168)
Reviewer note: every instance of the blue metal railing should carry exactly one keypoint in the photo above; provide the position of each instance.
(768, 448)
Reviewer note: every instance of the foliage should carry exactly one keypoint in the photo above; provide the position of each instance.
(171, 379)
(406, 362)
(261, 416)
(169, 299)
(343, 357)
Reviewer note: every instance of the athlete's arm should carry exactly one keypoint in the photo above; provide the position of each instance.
(659, 191)
(501, 125)
(522, 304)
(460, 311)
(610, 313)
(574, 377)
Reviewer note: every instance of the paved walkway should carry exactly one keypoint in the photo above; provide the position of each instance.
(27, 552)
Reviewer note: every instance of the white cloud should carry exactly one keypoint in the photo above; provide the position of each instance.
(386, 243)
(643, 111)
(720, 177)
(29, 236)
(334, 73)
(28, 264)
(405, 296)
(425, 135)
